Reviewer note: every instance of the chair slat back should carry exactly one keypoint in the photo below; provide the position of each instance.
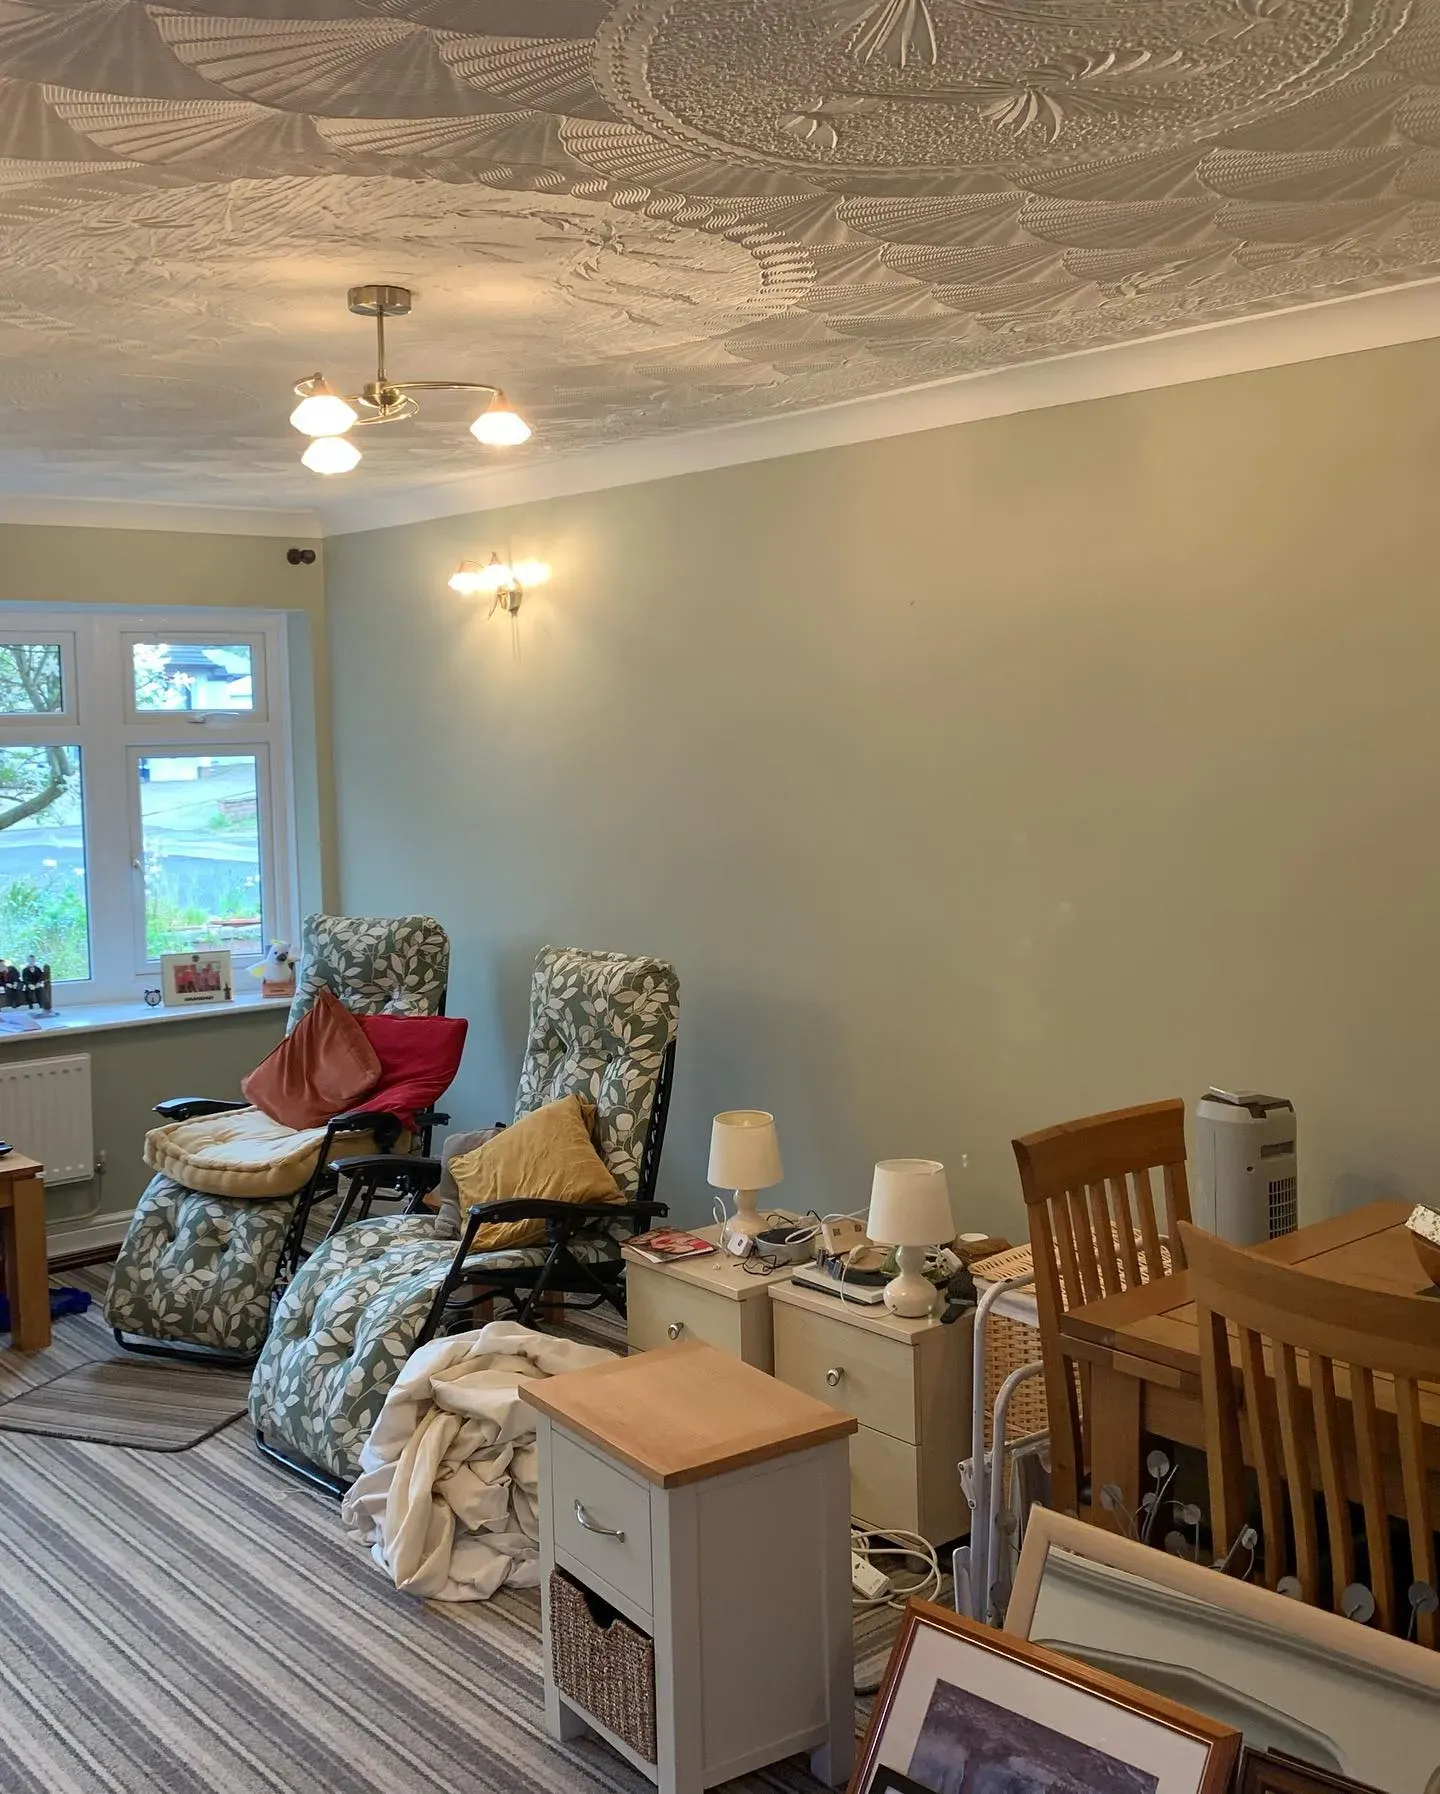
(1095, 1230)
(1322, 1381)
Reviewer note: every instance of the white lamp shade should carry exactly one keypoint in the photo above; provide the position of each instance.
(331, 454)
(500, 425)
(323, 412)
(910, 1204)
(744, 1150)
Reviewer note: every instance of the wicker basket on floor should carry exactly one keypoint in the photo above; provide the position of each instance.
(605, 1665)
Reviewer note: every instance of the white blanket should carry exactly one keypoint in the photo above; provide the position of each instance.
(447, 1496)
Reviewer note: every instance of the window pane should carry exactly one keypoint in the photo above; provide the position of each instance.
(200, 838)
(43, 899)
(31, 683)
(192, 676)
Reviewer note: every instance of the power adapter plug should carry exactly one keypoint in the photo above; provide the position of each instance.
(868, 1582)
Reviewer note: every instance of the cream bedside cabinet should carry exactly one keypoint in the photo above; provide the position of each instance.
(695, 1567)
(713, 1299)
(906, 1382)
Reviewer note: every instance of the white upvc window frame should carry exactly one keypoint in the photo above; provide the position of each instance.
(102, 720)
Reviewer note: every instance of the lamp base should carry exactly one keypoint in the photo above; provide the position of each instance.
(910, 1294)
(746, 1222)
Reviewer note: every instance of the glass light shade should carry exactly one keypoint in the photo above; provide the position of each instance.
(500, 425)
(467, 579)
(323, 413)
(910, 1204)
(331, 454)
(495, 575)
(532, 573)
(744, 1151)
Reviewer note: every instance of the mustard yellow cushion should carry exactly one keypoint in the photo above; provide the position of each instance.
(547, 1153)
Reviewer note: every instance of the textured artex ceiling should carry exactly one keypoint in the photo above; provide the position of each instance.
(657, 214)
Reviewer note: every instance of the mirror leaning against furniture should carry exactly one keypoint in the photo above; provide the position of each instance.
(1228, 1582)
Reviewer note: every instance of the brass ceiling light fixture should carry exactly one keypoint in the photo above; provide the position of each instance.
(325, 415)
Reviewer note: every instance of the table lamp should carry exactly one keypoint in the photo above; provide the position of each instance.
(744, 1157)
(910, 1208)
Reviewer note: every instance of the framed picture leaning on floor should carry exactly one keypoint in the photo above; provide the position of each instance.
(965, 1710)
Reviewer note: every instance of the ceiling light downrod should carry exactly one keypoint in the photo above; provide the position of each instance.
(325, 415)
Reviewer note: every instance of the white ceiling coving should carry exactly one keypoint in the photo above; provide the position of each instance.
(655, 216)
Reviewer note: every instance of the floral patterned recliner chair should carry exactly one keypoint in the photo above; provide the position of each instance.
(199, 1265)
(602, 1025)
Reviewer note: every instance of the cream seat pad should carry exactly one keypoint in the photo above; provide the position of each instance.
(243, 1153)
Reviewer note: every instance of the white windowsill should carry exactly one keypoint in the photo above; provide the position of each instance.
(97, 1018)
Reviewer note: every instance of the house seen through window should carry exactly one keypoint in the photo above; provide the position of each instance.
(144, 795)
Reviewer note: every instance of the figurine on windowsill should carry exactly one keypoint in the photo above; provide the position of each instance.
(26, 987)
(276, 971)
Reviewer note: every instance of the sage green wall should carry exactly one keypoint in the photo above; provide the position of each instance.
(133, 1068)
(974, 780)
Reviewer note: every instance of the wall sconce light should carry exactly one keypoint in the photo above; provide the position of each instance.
(505, 584)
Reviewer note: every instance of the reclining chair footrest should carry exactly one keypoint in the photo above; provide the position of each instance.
(214, 1357)
(321, 1479)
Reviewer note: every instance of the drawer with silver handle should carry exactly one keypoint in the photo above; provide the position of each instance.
(602, 1518)
(662, 1310)
(868, 1376)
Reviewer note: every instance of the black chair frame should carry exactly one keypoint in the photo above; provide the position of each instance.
(561, 1273)
(528, 1286)
(324, 1182)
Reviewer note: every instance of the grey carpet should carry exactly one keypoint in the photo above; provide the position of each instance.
(198, 1623)
(143, 1403)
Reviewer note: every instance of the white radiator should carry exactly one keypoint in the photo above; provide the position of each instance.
(45, 1112)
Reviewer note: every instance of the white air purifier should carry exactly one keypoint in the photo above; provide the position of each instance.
(1245, 1166)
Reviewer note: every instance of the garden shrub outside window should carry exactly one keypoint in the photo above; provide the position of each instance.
(145, 800)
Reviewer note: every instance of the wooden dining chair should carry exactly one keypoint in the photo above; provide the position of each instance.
(1318, 1377)
(1095, 1230)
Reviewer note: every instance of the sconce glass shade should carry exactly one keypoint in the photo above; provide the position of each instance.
(467, 579)
(323, 412)
(500, 425)
(531, 573)
(331, 454)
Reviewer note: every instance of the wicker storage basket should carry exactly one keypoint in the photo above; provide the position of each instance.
(605, 1665)
(1012, 1343)
(1009, 1344)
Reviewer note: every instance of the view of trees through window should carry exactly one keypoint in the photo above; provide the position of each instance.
(43, 895)
(198, 814)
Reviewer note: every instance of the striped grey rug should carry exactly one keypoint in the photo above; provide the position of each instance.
(143, 1403)
(198, 1623)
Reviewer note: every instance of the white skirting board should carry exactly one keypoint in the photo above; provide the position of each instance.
(97, 1233)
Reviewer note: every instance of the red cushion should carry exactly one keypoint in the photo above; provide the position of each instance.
(321, 1068)
(419, 1056)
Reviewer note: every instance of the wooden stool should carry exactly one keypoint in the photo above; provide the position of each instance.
(695, 1566)
(22, 1237)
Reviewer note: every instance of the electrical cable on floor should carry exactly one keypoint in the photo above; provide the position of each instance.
(893, 1542)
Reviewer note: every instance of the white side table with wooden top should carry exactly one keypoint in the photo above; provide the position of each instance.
(695, 1567)
(712, 1298)
(907, 1382)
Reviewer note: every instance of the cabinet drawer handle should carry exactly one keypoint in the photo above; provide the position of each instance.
(606, 1532)
(675, 1329)
(834, 1374)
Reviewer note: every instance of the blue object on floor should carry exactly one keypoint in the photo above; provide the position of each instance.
(62, 1301)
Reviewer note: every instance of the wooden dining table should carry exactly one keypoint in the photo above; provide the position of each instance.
(1142, 1347)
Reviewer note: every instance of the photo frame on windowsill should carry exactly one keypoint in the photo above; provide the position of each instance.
(204, 976)
(1297, 1681)
(957, 1695)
